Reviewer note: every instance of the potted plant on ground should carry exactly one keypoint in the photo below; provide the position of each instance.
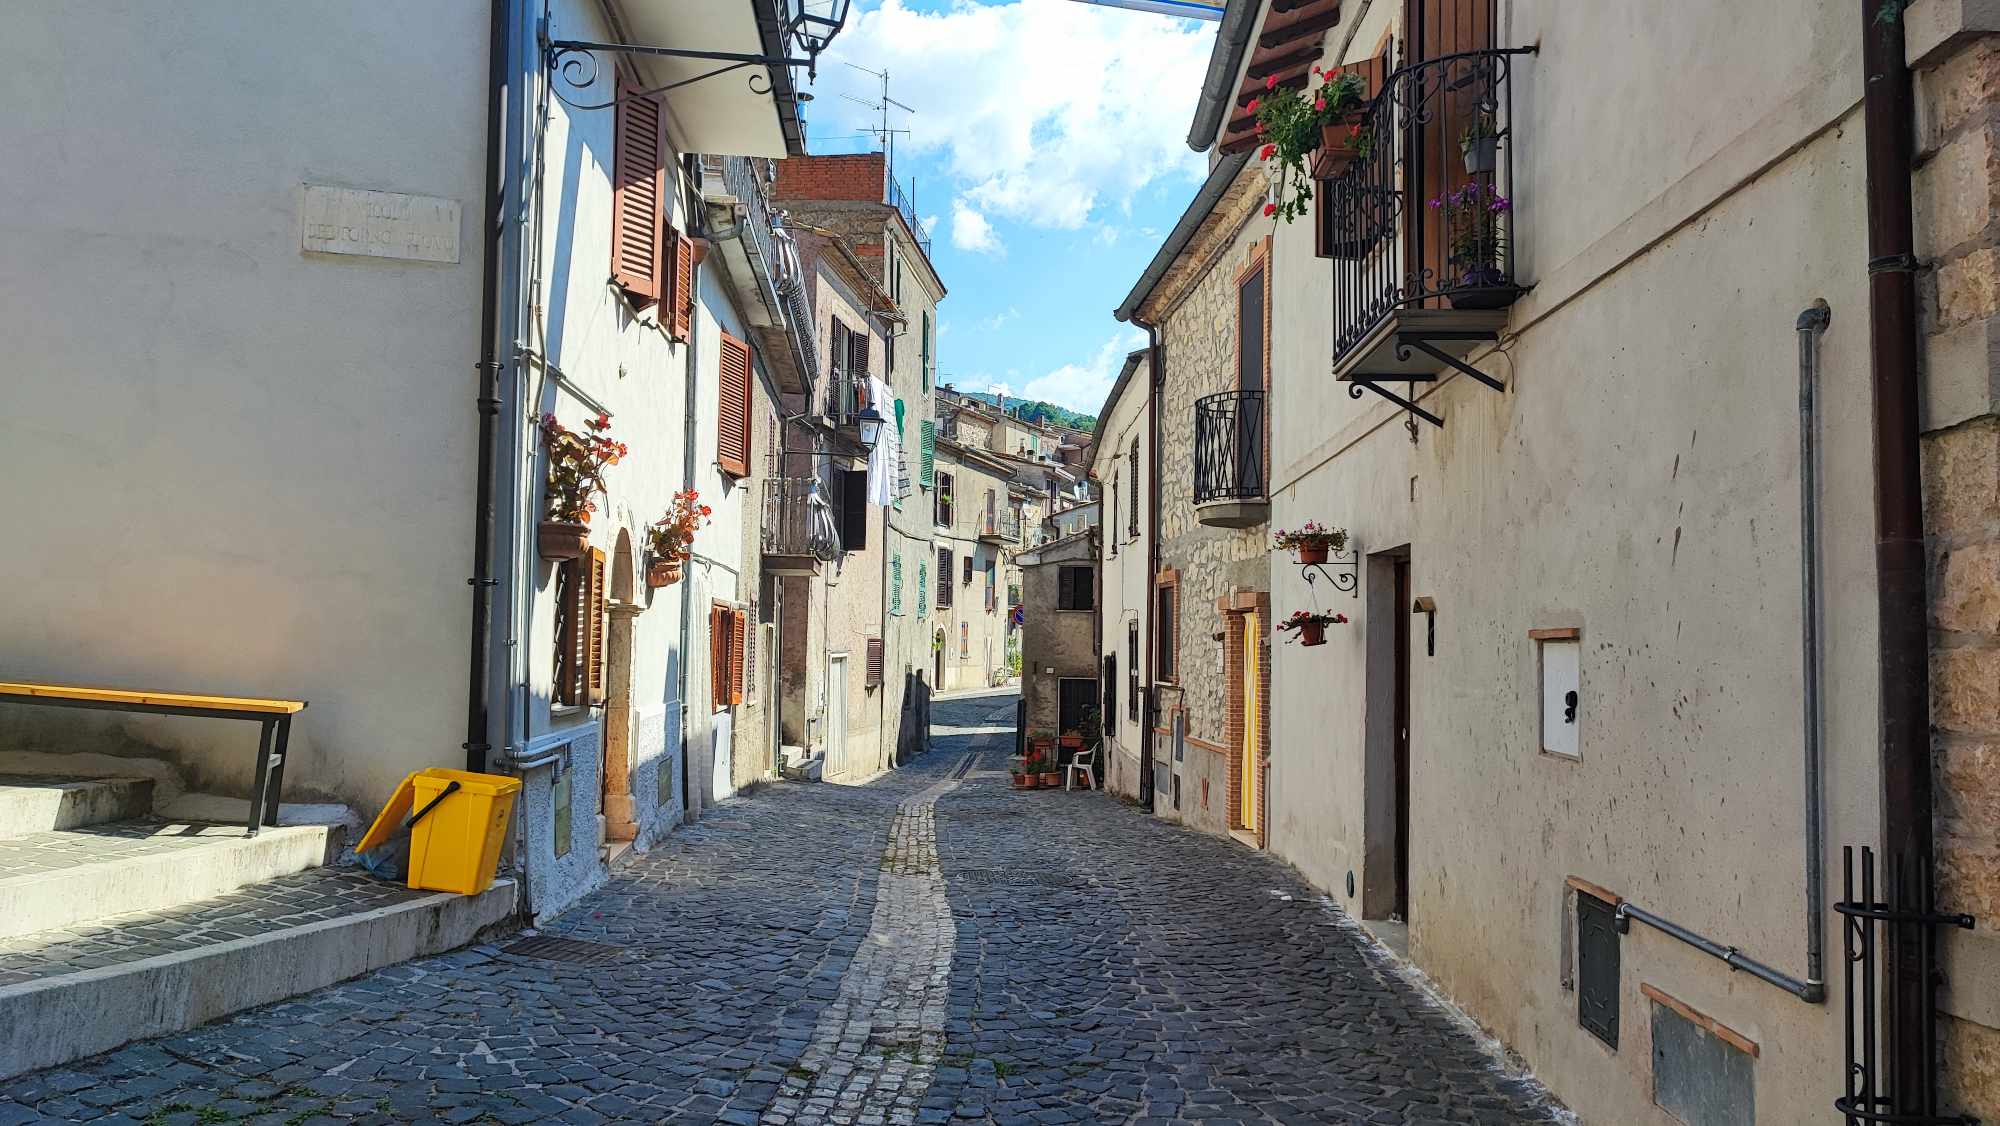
(1024, 779)
(1472, 217)
(1031, 768)
(1480, 145)
(670, 539)
(576, 476)
(1051, 777)
(1293, 123)
(1311, 540)
(1311, 625)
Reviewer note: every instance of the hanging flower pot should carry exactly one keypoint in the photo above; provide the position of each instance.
(1310, 625)
(560, 539)
(1481, 154)
(662, 572)
(1312, 541)
(1483, 287)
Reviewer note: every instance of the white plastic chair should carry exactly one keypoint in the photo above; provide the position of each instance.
(1084, 762)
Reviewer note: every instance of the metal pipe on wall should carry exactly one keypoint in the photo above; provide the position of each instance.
(478, 700)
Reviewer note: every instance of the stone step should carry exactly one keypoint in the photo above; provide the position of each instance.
(30, 804)
(55, 879)
(88, 988)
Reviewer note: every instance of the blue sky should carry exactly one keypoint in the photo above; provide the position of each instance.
(1049, 154)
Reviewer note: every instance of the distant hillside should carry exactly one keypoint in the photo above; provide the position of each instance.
(1035, 410)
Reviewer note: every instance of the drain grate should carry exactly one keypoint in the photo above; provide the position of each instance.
(572, 950)
(992, 876)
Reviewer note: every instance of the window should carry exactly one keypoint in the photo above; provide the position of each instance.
(1165, 632)
(944, 578)
(874, 666)
(728, 643)
(1133, 530)
(1110, 694)
(968, 570)
(1250, 292)
(1075, 697)
(944, 500)
(638, 194)
(853, 496)
(1076, 588)
(1132, 671)
(895, 584)
(579, 677)
(732, 438)
(992, 589)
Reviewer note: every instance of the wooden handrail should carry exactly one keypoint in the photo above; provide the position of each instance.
(152, 699)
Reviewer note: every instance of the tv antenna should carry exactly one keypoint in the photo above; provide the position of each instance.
(882, 131)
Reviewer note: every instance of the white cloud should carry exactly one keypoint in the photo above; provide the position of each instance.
(994, 322)
(1082, 387)
(1042, 110)
(971, 231)
(930, 223)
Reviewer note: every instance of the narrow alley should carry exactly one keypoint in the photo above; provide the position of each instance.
(934, 946)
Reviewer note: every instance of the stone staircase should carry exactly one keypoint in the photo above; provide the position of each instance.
(118, 922)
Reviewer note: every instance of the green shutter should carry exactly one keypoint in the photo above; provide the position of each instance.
(927, 443)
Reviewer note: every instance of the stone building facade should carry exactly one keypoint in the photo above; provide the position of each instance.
(1213, 581)
(1059, 675)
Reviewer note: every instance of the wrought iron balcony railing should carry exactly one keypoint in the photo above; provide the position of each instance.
(796, 521)
(1418, 216)
(894, 197)
(1004, 525)
(1229, 447)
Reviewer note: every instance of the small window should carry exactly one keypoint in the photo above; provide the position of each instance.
(944, 579)
(1165, 630)
(967, 577)
(1132, 671)
(944, 500)
(1076, 588)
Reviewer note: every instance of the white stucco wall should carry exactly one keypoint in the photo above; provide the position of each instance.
(1638, 480)
(236, 467)
(1123, 570)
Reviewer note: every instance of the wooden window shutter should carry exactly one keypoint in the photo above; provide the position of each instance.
(739, 630)
(853, 510)
(638, 192)
(1066, 588)
(732, 440)
(750, 651)
(857, 360)
(594, 629)
(571, 594)
(682, 310)
(874, 662)
(718, 659)
(927, 450)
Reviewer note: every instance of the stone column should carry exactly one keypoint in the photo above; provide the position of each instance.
(1954, 46)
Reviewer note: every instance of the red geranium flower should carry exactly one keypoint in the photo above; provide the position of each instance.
(1270, 82)
(1253, 104)
(1319, 104)
(1269, 151)
(1270, 209)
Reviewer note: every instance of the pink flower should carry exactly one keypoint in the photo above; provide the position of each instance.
(1319, 104)
(1270, 82)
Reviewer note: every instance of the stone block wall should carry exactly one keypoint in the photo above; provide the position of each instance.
(1957, 189)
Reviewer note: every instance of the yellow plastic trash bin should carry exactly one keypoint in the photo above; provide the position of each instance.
(457, 822)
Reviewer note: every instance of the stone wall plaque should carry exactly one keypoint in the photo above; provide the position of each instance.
(418, 228)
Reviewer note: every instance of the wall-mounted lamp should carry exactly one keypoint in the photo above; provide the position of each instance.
(871, 426)
(1428, 607)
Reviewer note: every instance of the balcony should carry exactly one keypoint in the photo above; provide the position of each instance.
(1418, 228)
(1229, 460)
(796, 527)
(895, 198)
(761, 266)
(1000, 527)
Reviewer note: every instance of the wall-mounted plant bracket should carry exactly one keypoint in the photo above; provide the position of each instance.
(1408, 344)
(1342, 571)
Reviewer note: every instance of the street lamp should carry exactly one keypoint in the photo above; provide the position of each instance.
(871, 426)
(813, 25)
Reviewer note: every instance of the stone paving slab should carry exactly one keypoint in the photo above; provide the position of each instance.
(33, 854)
(317, 895)
(808, 954)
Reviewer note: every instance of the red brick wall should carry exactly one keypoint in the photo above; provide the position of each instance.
(858, 177)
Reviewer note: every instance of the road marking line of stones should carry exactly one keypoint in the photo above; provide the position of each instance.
(876, 1048)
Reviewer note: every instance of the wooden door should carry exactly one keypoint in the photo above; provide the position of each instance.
(1402, 900)
(1253, 721)
(836, 716)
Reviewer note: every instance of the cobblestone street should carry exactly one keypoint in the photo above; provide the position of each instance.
(928, 948)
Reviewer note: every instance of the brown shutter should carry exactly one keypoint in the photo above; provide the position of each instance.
(683, 297)
(750, 651)
(732, 441)
(593, 633)
(874, 662)
(638, 190)
(718, 657)
(853, 509)
(739, 626)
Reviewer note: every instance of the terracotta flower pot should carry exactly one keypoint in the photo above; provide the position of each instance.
(1312, 633)
(1312, 552)
(1051, 779)
(1074, 742)
(1339, 147)
(558, 539)
(1028, 781)
(1021, 781)
(662, 572)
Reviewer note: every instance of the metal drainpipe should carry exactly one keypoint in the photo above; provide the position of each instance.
(1811, 326)
(479, 697)
(1156, 361)
(691, 166)
(1902, 610)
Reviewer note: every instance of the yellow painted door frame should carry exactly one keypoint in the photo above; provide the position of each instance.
(1253, 722)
